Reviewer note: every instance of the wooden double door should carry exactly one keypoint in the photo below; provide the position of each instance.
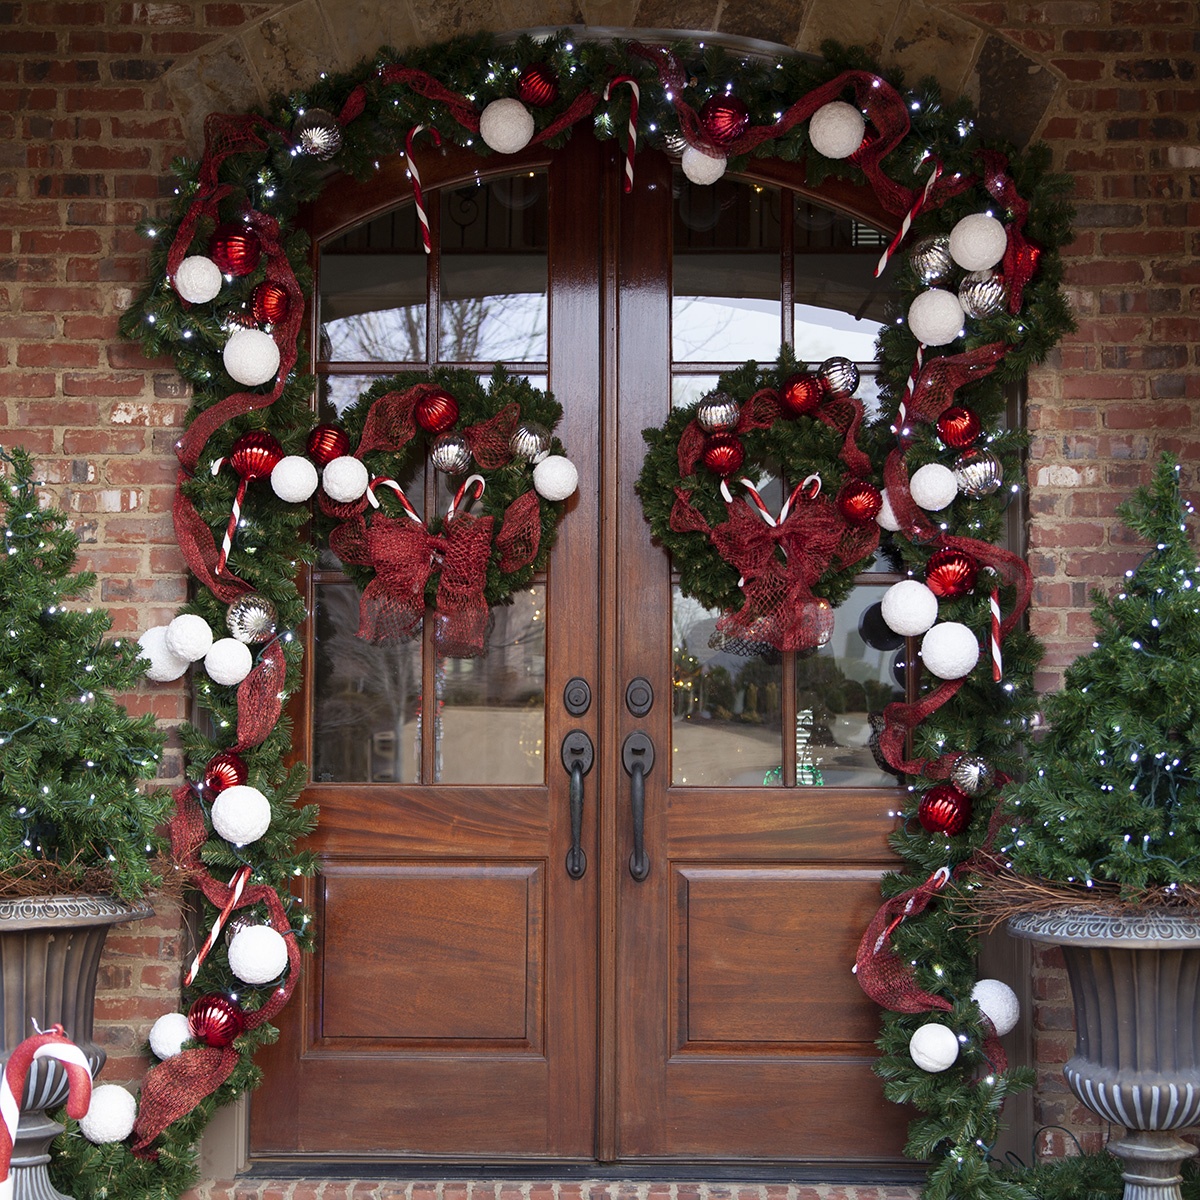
(475, 996)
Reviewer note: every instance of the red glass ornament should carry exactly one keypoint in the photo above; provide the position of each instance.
(436, 411)
(538, 85)
(216, 1020)
(944, 809)
(723, 454)
(235, 248)
(951, 573)
(800, 394)
(327, 442)
(859, 501)
(224, 770)
(255, 454)
(958, 427)
(271, 303)
(725, 119)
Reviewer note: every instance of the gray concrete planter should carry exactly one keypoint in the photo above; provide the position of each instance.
(1135, 982)
(50, 950)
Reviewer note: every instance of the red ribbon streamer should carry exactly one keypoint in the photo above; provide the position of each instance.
(1021, 255)
(940, 378)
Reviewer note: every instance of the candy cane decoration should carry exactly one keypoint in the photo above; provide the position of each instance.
(633, 116)
(906, 224)
(809, 487)
(383, 481)
(52, 1044)
(234, 517)
(237, 886)
(473, 484)
(902, 410)
(418, 198)
(997, 664)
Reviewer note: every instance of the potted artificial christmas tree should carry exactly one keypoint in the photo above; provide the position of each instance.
(1106, 839)
(78, 836)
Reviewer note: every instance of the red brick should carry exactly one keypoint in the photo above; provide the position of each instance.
(57, 354)
(109, 158)
(100, 99)
(12, 384)
(62, 300)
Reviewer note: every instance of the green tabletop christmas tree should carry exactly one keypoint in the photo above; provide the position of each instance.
(73, 816)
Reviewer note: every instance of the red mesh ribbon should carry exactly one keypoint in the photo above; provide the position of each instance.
(174, 1087)
(846, 417)
(489, 441)
(575, 111)
(761, 411)
(390, 424)
(200, 548)
(260, 699)
(461, 109)
(520, 533)
(1021, 255)
(941, 377)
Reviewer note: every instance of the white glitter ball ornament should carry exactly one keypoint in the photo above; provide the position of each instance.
(228, 661)
(294, 479)
(999, 1004)
(165, 666)
(950, 650)
(908, 608)
(933, 487)
(836, 129)
(168, 1034)
(934, 1047)
(935, 317)
(251, 357)
(700, 168)
(198, 279)
(555, 477)
(886, 516)
(188, 636)
(258, 954)
(345, 479)
(978, 242)
(241, 814)
(110, 1115)
(506, 126)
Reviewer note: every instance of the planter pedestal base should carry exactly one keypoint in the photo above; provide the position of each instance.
(1152, 1162)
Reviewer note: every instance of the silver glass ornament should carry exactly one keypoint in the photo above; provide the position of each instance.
(978, 473)
(930, 259)
(972, 775)
(317, 134)
(251, 619)
(237, 922)
(840, 377)
(450, 454)
(675, 144)
(717, 412)
(530, 441)
(982, 293)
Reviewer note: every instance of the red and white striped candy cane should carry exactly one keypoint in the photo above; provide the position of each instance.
(384, 481)
(902, 410)
(473, 484)
(234, 517)
(52, 1044)
(997, 664)
(418, 198)
(237, 886)
(906, 224)
(633, 116)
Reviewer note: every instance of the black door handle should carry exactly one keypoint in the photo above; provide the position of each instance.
(637, 756)
(577, 757)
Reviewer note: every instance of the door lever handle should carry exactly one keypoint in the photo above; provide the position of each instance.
(577, 757)
(637, 757)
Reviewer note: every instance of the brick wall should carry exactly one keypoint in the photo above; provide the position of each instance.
(96, 98)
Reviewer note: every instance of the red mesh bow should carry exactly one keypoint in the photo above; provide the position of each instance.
(1021, 255)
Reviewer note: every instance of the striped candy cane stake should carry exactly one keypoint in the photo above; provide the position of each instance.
(234, 517)
(997, 664)
(906, 224)
(471, 489)
(237, 886)
(633, 116)
(384, 481)
(418, 198)
(902, 411)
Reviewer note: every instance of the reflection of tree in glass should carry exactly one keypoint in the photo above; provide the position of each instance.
(380, 335)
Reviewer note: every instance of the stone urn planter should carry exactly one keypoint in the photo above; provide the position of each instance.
(50, 950)
(1135, 982)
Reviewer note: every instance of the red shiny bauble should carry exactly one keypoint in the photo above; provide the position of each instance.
(725, 119)
(800, 394)
(255, 454)
(944, 809)
(327, 442)
(271, 303)
(951, 573)
(224, 770)
(216, 1020)
(723, 454)
(859, 501)
(235, 248)
(538, 85)
(436, 411)
(958, 427)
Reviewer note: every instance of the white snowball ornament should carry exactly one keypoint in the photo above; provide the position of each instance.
(110, 1115)
(555, 477)
(251, 357)
(886, 516)
(258, 954)
(165, 665)
(198, 279)
(836, 129)
(701, 168)
(188, 636)
(345, 479)
(168, 1034)
(933, 487)
(999, 1003)
(950, 650)
(294, 479)
(936, 317)
(506, 126)
(241, 814)
(908, 608)
(228, 661)
(978, 242)
(934, 1047)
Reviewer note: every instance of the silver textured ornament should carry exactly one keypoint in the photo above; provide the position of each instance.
(251, 619)
(982, 293)
(530, 441)
(930, 259)
(317, 134)
(718, 412)
(237, 922)
(978, 473)
(450, 454)
(972, 775)
(840, 377)
(675, 144)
